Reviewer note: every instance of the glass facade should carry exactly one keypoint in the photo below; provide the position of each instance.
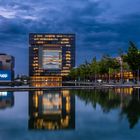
(51, 55)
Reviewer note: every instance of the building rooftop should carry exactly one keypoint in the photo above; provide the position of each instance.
(3, 54)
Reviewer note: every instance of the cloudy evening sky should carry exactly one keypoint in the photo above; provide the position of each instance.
(101, 26)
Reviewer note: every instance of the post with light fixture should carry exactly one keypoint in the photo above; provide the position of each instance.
(109, 76)
(121, 72)
(138, 76)
(138, 72)
(121, 69)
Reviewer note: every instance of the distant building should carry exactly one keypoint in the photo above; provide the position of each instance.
(6, 67)
(51, 56)
(126, 75)
(0, 65)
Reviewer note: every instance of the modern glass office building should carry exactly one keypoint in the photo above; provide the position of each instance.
(51, 56)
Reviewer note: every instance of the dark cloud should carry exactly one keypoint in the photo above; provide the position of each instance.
(100, 26)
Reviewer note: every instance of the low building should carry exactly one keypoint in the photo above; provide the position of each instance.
(6, 68)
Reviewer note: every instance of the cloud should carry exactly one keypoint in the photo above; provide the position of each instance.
(116, 9)
(100, 26)
(6, 13)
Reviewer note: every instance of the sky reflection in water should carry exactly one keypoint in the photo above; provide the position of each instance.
(76, 114)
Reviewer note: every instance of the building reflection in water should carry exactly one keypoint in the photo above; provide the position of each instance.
(6, 99)
(51, 110)
(124, 90)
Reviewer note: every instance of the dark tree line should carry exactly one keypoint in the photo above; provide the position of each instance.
(108, 65)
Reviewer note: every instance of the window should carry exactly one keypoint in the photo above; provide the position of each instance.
(8, 61)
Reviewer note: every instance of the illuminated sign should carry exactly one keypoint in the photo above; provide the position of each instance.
(51, 59)
(4, 93)
(5, 75)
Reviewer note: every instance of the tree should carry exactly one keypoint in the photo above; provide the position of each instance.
(73, 73)
(108, 66)
(94, 68)
(84, 70)
(133, 59)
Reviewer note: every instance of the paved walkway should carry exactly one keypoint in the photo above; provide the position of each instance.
(95, 86)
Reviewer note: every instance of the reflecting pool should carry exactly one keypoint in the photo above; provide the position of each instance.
(70, 114)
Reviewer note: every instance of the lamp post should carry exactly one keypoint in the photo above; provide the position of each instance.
(138, 76)
(121, 69)
(121, 72)
(95, 76)
(109, 76)
(138, 73)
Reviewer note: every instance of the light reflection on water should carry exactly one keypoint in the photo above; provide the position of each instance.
(51, 110)
(77, 114)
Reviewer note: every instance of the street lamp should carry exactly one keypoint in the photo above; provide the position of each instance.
(138, 76)
(138, 73)
(109, 76)
(121, 70)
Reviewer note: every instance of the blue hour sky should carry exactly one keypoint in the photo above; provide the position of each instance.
(101, 26)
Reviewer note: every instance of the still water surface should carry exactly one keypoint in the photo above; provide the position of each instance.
(110, 114)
